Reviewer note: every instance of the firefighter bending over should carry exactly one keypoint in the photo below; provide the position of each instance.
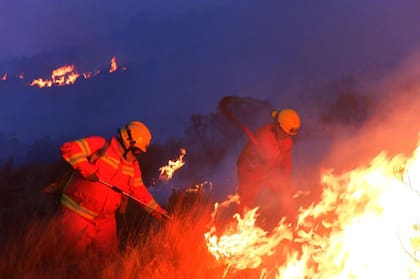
(264, 168)
(88, 207)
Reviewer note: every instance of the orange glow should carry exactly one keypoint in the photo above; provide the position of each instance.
(243, 244)
(166, 172)
(64, 75)
(114, 65)
(366, 225)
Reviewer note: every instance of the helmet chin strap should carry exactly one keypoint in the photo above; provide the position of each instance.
(130, 139)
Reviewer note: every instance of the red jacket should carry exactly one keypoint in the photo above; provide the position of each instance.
(271, 157)
(93, 199)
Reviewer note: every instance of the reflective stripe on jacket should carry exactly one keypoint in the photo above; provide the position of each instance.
(93, 199)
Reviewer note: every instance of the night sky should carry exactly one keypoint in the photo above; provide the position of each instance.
(183, 56)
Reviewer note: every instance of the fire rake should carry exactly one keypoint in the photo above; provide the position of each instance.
(118, 190)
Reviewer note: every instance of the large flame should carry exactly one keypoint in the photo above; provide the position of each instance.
(366, 225)
(166, 172)
(244, 244)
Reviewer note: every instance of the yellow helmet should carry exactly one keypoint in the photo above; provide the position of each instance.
(135, 135)
(288, 120)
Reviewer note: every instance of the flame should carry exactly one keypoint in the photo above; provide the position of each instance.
(243, 244)
(114, 65)
(87, 75)
(166, 172)
(366, 225)
(64, 75)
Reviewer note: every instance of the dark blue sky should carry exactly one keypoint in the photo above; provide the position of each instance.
(30, 27)
(183, 56)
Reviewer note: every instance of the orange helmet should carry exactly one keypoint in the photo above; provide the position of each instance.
(288, 120)
(135, 135)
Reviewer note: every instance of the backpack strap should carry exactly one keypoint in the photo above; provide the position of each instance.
(99, 153)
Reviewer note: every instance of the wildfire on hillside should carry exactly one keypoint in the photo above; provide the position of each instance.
(66, 75)
(365, 225)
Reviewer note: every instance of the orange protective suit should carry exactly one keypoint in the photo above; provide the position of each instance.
(264, 168)
(89, 207)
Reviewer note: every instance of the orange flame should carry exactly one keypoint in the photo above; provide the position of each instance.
(243, 245)
(114, 65)
(166, 172)
(64, 75)
(366, 225)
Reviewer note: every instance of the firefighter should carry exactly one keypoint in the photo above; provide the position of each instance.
(88, 207)
(264, 168)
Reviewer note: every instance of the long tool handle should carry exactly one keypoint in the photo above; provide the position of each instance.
(118, 190)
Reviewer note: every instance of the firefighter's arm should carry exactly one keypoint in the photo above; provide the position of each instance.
(77, 153)
(140, 191)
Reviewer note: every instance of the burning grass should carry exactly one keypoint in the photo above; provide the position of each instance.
(364, 225)
(170, 249)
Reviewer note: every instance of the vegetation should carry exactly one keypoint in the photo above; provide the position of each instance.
(174, 248)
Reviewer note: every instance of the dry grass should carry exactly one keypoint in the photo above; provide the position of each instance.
(174, 248)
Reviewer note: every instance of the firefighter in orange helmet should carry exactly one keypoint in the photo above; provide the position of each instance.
(88, 207)
(264, 168)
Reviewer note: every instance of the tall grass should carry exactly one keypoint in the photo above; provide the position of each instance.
(173, 248)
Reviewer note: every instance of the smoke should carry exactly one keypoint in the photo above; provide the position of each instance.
(186, 55)
(390, 124)
(345, 124)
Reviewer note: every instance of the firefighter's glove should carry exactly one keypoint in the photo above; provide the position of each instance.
(88, 171)
(92, 177)
(159, 213)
